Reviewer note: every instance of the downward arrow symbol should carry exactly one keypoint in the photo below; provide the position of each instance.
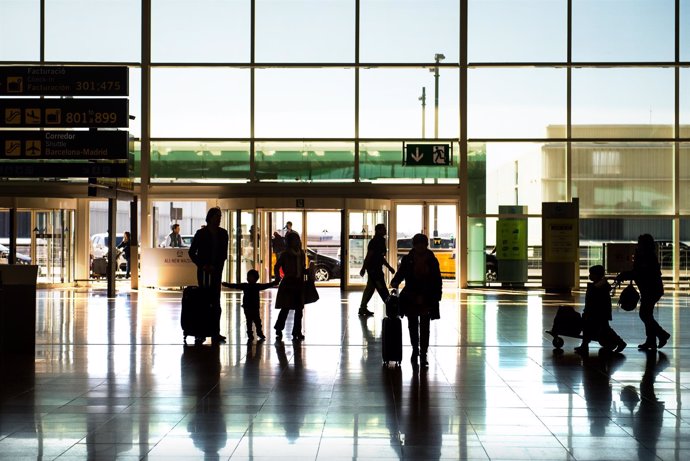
(417, 156)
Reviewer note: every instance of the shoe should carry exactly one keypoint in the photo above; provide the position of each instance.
(647, 346)
(365, 313)
(279, 335)
(582, 349)
(423, 362)
(663, 339)
(261, 336)
(298, 337)
(620, 346)
(250, 336)
(218, 339)
(199, 340)
(413, 357)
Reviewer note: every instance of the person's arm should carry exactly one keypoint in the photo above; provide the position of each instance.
(194, 249)
(400, 275)
(390, 268)
(265, 286)
(365, 262)
(234, 286)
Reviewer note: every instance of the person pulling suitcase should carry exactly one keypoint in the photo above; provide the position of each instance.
(419, 299)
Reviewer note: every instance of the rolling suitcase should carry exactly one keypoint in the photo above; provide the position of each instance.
(99, 267)
(391, 332)
(197, 317)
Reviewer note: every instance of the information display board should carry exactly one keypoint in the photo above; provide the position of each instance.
(64, 113)
(64, 170)
(64, 145)
(64, 81)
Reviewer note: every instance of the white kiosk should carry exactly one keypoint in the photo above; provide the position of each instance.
(167, 267)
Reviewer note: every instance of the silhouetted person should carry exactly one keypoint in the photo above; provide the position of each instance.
(290, 294)
(373, 265)
(597, 314)
(646, 273)
(208, 251)
(126, 250)
(251, 302)
(420, 298)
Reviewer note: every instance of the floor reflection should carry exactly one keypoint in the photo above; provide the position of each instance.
(111, 380)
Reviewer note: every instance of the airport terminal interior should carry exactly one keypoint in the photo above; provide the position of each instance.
(528, 139)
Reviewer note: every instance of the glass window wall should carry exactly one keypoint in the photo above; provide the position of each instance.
(391, 103)
(199, 102)
(305, 162)
(685, 30)
(97, 31)
(409, 30)
(516, 103)
(305, 31)
(211, 31)
(199, 161)
(20, 30)
(623, 31)
(623, 177)
(382, 162)
(301, 103)
(685, 102)
(623, 103)
(684, 167)
(517, 31)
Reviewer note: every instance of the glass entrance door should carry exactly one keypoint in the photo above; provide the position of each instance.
(242, 246)
(360, 230)
(439, 221)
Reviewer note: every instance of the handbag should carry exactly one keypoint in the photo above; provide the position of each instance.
(628, 298)
(310, 293)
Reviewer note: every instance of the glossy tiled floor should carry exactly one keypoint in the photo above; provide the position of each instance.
(112, 380)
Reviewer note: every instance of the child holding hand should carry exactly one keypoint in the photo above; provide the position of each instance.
(250, 301)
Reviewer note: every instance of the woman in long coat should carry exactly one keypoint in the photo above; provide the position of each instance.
(646, 273)
(291, 290)
(419, 300)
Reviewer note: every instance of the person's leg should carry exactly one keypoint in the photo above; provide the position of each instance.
(280, 322)
(650, 325)
(424, 330)
(248, 319)
(366, 297)
(413, 326)
(297, 324)
(258, 325)
(380, 284)
(216, 278)
(586, 335)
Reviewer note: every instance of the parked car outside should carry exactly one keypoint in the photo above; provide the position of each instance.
(665, 248)
(325, 267)
(5, 256)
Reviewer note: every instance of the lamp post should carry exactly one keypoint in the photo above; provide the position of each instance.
(423, 99)
(438, 57)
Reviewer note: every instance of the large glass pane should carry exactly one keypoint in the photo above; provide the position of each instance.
(382, 162)
(685, 102)
(305, 31)
(684, 247)
(409, 221)
(199, 102)
(88, 30)
(443, 227)
(173, 161)
(685, 30)
(190, 215)
(299, 103)
(516, 103)
(684, 167)
(517, 31)
(211, 31)
(623, 31)
(392, 105)
(594, 233)
(305, 162)
(623, 177)
(20, 33)
(409, 30)
(525, 174)
(623, 103)
(323, 245)
(135, 102)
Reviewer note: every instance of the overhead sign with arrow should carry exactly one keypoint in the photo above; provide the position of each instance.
(428, 154)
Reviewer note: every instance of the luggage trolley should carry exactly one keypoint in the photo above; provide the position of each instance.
(568, 322)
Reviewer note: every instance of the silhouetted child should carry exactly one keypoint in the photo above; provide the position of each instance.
(250, 301)
(597, 313)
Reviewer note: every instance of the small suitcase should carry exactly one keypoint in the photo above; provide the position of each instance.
(568, 322)
(391, 340)
(196, 318)
(99, 267)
